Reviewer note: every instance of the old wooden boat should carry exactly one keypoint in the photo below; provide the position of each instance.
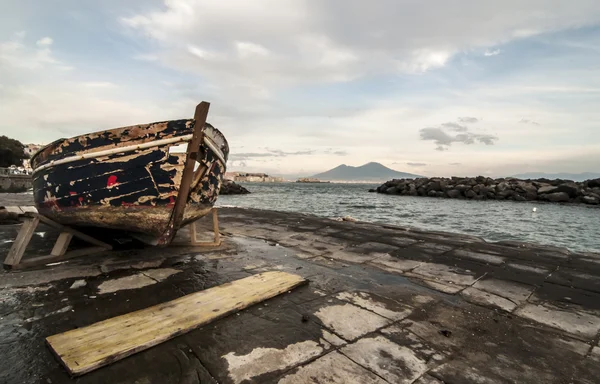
(134, 179)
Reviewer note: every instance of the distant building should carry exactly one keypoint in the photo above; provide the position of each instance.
(252, 177)
(310, 180)
(30, 150)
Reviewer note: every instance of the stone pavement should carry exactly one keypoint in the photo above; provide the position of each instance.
(384, 305)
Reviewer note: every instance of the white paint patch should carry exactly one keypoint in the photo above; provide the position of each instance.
(595, 354)
(331, 338)
(139, 280)
(422, 299)
(78, 284)
(365, 300)
(62, 310)
(393, 362)
(264, 360)
(350, 321)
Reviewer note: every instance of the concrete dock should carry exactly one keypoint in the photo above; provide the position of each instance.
(384, 305)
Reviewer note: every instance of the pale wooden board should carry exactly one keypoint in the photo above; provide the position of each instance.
(85, 349)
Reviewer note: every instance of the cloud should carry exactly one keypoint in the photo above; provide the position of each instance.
(468, 120)
(330, 151)
(455, 164)
(416, 164)
(527, 121)
(444, 140)
(274, 44)
(491, 53)
(455, 127)
(44, 42)
(270, 153)
(44, 99)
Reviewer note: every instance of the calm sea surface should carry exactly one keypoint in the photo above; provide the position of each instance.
(576, 227)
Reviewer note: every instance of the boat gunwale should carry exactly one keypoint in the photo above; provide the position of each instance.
(157, 143)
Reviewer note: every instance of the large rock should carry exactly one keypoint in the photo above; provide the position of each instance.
(592, 200)
(454, 193)
(595, 183)
(470, 194)
(547, 189)
(230, 188)
(557, 197)
(434, 185)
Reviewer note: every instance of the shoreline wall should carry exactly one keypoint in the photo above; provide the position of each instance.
(485, 188)
(15, 183)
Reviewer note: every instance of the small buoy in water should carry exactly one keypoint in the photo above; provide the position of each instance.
(534, 209)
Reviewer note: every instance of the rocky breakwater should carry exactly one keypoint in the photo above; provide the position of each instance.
(485, 188)
(230, 188)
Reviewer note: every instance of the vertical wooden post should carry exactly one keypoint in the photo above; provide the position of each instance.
(188, 173)
(18, 248)
(217, 236)
(216, 227)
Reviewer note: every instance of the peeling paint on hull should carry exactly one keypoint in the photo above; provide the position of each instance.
(133, 181)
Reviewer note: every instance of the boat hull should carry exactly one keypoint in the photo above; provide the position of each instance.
(128, 178)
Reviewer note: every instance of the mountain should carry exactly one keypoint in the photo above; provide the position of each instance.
(368, 172)
(564, 176)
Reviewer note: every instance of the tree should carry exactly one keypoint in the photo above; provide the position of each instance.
(12, 152)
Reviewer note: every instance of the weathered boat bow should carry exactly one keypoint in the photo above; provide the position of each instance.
(133, 178)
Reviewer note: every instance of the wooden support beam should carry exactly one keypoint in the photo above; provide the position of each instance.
(23, 238)
(35, 261)
(188, 173)
(59, 252)
(217, 236)
(85, 349)
(75, 232)
(62, 244)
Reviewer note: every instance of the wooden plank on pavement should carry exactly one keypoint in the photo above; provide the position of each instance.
(85, 349)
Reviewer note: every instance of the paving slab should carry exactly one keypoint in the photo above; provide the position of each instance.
(447, 274)
(438, 286)
(336, 317)
(395, 363)
(333, 368)
(578, 324)
(348, 255)
(382, 306)
(567, 297)
(247, 346)
(481, 257)
(514, 291)
(427, 379)
(480, 297)
(582, 279)
(394, 264)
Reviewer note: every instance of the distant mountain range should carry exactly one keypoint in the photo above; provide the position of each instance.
(367, 172)
(565, 176)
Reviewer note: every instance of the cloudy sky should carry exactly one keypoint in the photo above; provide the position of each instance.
(299, 86)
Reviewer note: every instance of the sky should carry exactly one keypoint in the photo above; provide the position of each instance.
(437, 88)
